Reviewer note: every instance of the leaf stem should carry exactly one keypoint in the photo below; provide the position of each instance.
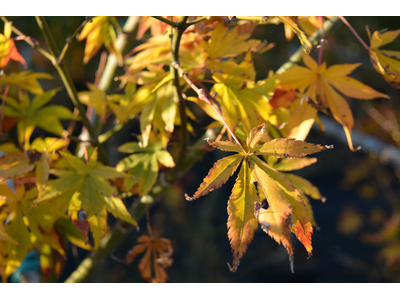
(69, 85)
(60, 59)
(203, 96)
(355, 33)
(166, 21)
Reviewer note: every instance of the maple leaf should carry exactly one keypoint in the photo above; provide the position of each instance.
(26, 80)
(320, 84)
(8, 50)
(46, 148)
(155, 101)
(15, 164)
(287, 210)
(226, 43)
(96, 98)
(84, 187)
(386, 62)
(97, 32)
(35, 113)
(156, 27)
(300, 34)
(155, 260)
(17, 207)
(143, 164)
(239, 97)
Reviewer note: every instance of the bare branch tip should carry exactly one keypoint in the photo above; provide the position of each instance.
(188, 198)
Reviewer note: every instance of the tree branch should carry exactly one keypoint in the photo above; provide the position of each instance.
(176, 40)
(69, 85)
(60, 59)
(355, 33)
(164, 20)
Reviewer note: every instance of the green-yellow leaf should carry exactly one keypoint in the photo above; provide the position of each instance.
(242, 222)
(288, 148)
(115, 206)
(294, 164)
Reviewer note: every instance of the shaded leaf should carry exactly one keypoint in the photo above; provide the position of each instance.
(385, 62)
(156, 259)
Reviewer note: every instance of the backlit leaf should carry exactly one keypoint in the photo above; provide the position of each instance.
(300, 34)
(385, 62)
(218, 175)
(97, 32)
(318, 82)
(8, 50)
(242, 222)
(288, 148)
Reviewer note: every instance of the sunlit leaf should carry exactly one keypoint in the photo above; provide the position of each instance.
(318, 83)
(97, 32)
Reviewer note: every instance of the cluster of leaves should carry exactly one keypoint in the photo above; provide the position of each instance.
(52, 192)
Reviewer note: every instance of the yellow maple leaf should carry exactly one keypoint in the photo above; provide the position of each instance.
(98, 32)
(322, 84)
(384, 60)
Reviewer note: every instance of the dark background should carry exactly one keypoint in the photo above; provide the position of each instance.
(359, 199)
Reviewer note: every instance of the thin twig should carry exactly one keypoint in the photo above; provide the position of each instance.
(100, 69)
(196, 21)
(60, 59)
(355, 33)
(148, 221)
(321, 45)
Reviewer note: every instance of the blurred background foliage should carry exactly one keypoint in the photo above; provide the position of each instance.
(359, 238)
